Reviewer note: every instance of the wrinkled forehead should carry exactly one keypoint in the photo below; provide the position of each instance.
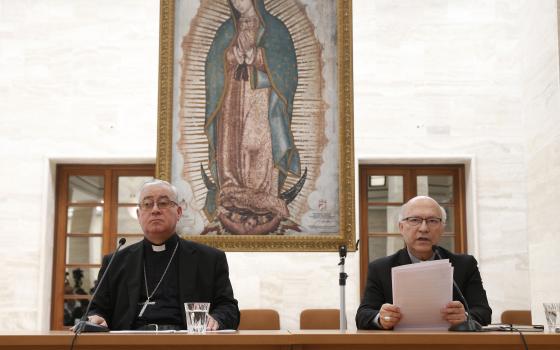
(156, 191)
(423, 207)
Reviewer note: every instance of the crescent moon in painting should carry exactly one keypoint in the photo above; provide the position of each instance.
(241, 178)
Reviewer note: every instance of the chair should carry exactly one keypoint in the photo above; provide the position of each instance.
(259, 319)
(517, 317)
(319, 319)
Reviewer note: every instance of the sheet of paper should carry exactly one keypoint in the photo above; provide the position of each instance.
(173, 331)
(144, 332)
(421, 290)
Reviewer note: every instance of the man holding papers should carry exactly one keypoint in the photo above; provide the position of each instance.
(421, 224)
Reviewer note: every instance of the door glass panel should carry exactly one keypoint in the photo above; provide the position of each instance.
(127, 221)
(383, 246)
(385, 188)
(80, 280)
(85, 189)
(83, 250)
(129, 186)
(84, 220)
(383, 218)
(447, 242)
(450, 223)
(73, 310)
(439, 187)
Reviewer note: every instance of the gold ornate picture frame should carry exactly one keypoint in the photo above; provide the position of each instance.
(255, 122)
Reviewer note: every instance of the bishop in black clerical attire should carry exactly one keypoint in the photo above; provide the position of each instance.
(421, 224)
(149, 281)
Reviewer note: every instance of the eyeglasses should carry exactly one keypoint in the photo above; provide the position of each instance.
(148, 204)
(417, 221)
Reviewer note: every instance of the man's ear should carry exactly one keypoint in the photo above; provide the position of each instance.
(179, 212)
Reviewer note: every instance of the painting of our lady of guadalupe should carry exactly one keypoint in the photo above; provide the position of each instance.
(256, 147)
(251, 80)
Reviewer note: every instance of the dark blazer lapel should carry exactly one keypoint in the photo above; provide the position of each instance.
(444, 253)
(133, 269)
(187, 271)
(403, 258)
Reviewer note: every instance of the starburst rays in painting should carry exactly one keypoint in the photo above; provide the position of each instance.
(308, 109)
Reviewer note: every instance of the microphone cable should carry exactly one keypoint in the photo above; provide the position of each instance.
(82, 323)
(521, 335)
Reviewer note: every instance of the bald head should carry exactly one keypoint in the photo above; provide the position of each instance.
(421, 223)
(403, 213)
(158, 182)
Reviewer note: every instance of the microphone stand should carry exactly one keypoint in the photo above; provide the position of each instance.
(469, 325)
(86, 326)
(342, 283)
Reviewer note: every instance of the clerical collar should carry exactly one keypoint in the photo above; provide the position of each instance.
(170, 243)
(415, 259)
(158, 248)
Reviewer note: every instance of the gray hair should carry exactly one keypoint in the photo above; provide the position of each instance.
(405, 206)
(152, 182)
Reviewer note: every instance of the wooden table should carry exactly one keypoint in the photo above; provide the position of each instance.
(392, 340)
(133, 341)
(286, 340)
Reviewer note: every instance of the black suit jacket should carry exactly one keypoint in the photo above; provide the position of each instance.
(379, 286)
(204, 277)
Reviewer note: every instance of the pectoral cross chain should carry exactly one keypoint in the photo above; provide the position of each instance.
(146, 303)
(148, 295)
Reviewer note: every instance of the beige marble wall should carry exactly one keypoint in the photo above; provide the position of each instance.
(443, 80)
(433, 79)
(78, 83)
(541, 109)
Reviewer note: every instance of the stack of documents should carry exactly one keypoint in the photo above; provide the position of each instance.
(504, 327)
(421, 291)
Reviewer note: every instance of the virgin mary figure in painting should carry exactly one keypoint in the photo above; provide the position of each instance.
(251, 78)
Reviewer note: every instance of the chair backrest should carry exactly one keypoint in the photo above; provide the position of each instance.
(517, 317)
(319, 319)
(259, 319)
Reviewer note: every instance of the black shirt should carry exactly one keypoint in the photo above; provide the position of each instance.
(167, 308)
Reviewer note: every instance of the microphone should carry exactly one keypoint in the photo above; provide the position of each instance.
(469, 325)
(86, 326)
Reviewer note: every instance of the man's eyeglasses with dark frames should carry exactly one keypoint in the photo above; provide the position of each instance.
(148, 204)
(417, 221)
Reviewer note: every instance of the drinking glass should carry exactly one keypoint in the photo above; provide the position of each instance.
(552, 313)
(197, 316)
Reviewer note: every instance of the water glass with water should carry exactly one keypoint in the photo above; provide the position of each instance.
(552, 313)
(197, 316)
